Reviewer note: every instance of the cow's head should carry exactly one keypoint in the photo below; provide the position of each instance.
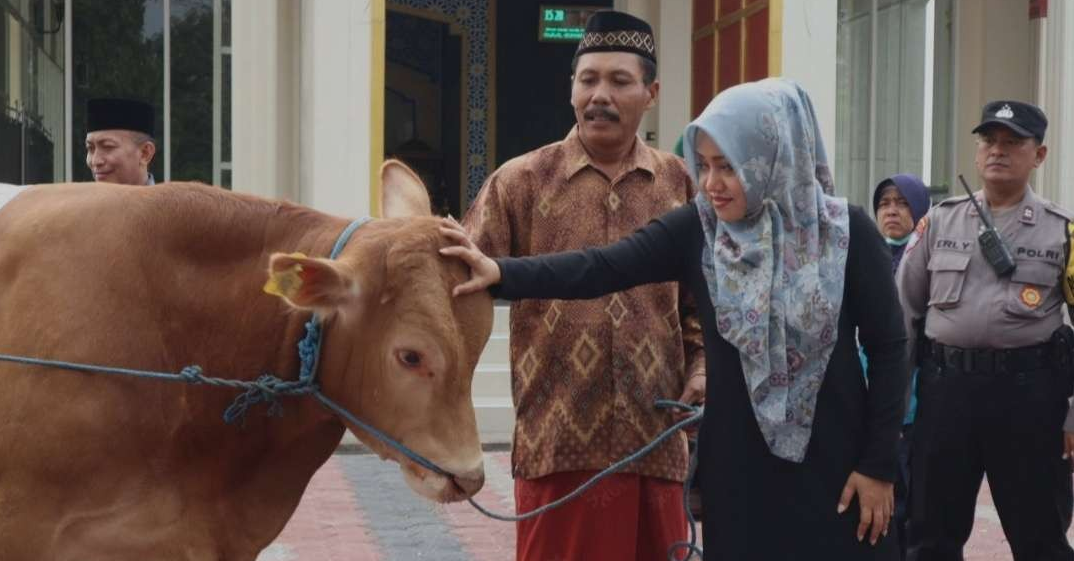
(399, 351)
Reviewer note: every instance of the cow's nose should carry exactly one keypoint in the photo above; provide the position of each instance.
(470, 482)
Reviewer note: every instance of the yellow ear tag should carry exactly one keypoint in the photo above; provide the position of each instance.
(285, 283)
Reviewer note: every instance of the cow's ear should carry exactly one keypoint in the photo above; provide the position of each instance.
(403, 192)
(314, 284)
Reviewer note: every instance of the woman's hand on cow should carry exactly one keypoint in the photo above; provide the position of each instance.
(877, 501)
(484, 272)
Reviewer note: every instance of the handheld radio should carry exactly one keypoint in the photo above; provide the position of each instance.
(992, 246)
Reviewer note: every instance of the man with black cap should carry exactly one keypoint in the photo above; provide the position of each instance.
(585, 374)
(995, 362)
(119, 141)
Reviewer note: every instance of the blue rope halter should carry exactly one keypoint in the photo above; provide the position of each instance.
(269, 387)
(309, 354)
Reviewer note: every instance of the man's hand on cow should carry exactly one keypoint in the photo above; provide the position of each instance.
(484, 272)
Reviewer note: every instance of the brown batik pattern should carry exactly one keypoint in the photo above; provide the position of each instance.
(585, 373)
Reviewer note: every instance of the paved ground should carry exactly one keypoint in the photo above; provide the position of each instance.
(358, 508)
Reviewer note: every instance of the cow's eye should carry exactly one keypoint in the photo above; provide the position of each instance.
(410, 359)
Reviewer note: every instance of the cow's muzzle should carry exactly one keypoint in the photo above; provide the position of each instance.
(468, 484)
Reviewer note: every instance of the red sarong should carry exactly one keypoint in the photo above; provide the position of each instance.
(625, 517)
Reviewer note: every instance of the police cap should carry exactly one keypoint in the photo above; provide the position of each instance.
(1025, 119)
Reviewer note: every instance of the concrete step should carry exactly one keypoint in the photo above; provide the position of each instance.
(497, 350)
(501, 319)
(495, 419)
(493, 380)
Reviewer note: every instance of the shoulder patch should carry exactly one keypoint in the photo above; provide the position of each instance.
(918, 233)
(954, 200)
(1059, 211)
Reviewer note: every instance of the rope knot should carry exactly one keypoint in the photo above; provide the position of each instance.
(264, 389)
(192, 374)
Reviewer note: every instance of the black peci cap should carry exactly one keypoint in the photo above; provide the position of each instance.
(122, 114)
(1025, 119)
(608, 30)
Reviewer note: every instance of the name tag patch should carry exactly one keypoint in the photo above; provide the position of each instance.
(962, 246)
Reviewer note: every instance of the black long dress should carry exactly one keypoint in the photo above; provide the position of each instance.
(757, 506)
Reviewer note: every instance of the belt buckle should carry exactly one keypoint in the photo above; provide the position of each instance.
(955, 358)
(1010, 361)
(988, 361)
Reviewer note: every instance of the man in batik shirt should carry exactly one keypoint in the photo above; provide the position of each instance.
(585, 374)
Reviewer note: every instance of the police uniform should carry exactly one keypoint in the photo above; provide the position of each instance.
(994, 381)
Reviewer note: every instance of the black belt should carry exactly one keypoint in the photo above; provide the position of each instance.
(992, 361)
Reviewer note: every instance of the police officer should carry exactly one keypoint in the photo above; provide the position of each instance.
(994, 356)
(119, 140)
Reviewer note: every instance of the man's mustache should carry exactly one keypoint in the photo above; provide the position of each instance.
(601, 112)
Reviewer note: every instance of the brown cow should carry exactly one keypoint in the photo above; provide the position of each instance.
(95, 466)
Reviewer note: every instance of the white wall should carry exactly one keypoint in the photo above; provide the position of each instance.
(337, 41)
(673, 44)
(809, 31)
(301, 99)
(648, 10)
(1056, 97)
(264, 97)
(994, 60)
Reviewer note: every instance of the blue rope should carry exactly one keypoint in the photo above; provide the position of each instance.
(690, 546)
(309, 348)
(309, 353)
(373, 431)
(346, 234)
(265, 388)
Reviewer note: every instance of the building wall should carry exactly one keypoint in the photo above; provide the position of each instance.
(649, 11)
(998, 52)
(318, 146)
(533, 78)
(339, 135)
(266, 74)
(1055, 94)
(808, 55)
(994, 60)
(673, 43)
(305, 101)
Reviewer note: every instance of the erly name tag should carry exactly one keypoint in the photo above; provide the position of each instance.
(961, 246)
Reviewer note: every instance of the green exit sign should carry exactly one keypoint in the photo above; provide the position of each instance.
(563, 24)
(555, 14)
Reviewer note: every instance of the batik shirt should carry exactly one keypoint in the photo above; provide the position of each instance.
(585, 373)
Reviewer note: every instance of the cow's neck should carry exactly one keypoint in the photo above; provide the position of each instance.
(270, 459)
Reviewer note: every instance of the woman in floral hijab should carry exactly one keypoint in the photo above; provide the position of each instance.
(797, 452)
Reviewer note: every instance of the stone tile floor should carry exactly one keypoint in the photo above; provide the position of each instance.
(357, 508)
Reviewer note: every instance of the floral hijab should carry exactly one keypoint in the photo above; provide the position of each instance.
(776, 276)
